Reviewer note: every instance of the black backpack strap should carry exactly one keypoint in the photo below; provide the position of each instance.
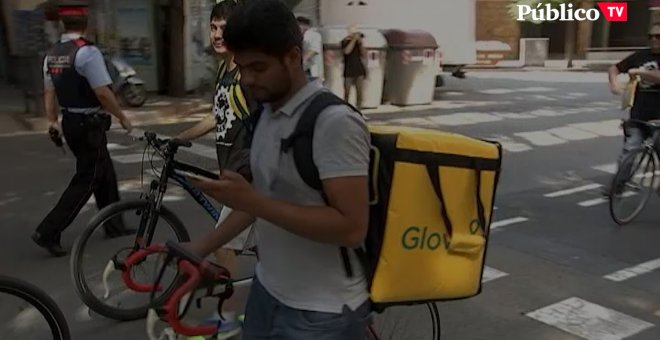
(250, 123)
(301, 142)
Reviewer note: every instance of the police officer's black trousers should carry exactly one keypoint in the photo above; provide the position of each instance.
(95, 175)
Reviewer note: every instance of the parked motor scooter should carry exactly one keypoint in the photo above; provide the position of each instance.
(125, 83)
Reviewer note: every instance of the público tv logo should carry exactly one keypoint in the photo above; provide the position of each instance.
(612, 11)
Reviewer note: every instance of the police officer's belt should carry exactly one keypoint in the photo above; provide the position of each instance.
(78, 110)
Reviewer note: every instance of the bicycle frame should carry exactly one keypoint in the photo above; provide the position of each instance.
(157, 193)
(195, 193)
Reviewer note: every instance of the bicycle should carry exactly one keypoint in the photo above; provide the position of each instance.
(214, 281)
(150, 209)
(37, 300)
(625, 183)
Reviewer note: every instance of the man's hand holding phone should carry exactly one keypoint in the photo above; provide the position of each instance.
(231, 189)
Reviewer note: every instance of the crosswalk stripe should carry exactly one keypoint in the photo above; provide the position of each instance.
(608, 168)
(133, 158)
(541, 138)
(492, 274)
(570, 133)
(464, 118)
(573, 190)
(593, 202)
(602, 200)
(595, 322)
(115, 146)
(507, 222)
(608, 128)
(629, 273)
(498, 91)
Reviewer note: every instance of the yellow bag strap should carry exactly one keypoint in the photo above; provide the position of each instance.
(434, 173)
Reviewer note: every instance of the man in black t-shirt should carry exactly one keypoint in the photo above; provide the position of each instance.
(645, 64)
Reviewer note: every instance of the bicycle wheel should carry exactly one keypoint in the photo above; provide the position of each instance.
(121, 306)
(406, 322)
(37, 299)
(632, 186)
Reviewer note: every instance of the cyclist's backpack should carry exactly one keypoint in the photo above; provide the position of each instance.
(431, 202)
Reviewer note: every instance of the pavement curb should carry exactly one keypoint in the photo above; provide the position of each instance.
(154, 114)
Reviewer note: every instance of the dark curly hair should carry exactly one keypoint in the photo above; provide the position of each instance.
(266, 26)
(223, 9)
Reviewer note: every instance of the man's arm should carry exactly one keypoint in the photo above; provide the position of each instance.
(49, 103)
(648, 75)
(343, 167)
(613, 73)
(201, 128)
(231, 227)
(344, 222)
(49, 98)
(622, 67)
(90, 63)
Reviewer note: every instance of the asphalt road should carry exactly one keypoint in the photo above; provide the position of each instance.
(558, 267)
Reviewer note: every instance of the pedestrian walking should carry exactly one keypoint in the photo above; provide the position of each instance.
(75, 75)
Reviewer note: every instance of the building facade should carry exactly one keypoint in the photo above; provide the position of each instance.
(593, 40)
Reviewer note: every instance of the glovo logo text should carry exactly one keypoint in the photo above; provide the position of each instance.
(423, 238)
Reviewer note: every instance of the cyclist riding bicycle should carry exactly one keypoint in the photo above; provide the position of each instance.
(646, 106)
(231, 108)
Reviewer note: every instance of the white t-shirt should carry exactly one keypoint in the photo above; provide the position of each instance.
(312, 40)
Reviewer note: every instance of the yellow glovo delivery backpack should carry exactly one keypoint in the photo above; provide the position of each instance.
(432, 196)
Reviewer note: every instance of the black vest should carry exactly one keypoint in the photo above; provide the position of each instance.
(72, 89)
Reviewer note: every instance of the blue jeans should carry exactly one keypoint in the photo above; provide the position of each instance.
(267, 318)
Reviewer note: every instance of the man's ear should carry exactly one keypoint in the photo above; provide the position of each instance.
(294, 56)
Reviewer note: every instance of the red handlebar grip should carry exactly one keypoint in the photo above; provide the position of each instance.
(171, 308)
(133, 259)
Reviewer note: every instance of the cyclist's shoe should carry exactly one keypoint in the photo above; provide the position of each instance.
(53, 247)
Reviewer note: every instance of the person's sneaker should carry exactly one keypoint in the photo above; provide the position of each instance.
(229, 329)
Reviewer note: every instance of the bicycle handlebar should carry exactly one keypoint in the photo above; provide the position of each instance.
(195, 270)
(173, 144)
(134, 258)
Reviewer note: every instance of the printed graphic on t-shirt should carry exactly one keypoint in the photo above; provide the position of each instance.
(224, 114)
(649, 66)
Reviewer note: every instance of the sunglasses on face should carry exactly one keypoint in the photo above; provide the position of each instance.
(656, 36)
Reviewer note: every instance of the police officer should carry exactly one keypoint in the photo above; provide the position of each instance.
(75, 74)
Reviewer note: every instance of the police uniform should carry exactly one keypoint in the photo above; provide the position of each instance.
(73, 68)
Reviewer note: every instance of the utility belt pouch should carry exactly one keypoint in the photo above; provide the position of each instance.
(100, 120)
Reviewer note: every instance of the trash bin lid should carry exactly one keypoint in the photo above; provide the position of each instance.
(333, 35)
(397, 38)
